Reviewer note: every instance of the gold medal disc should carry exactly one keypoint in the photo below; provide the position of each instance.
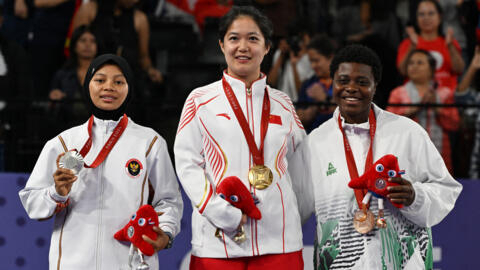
(363, 223)
(260, 176)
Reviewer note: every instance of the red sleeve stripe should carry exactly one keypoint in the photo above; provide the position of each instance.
(214, 155)
(189, 110)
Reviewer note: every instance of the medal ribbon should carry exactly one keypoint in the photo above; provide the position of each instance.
(117, 132)
(352, 167)
(256, 153)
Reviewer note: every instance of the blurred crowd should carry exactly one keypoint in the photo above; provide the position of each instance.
(428, 49)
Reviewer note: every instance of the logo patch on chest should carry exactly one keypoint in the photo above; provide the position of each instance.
(331, 169)
(133, 167)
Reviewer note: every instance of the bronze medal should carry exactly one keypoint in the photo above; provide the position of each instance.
(363, 222)
(260, 176)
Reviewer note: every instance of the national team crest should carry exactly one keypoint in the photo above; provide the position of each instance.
(133, 167)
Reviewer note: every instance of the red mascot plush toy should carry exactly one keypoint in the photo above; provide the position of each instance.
(236, 193)
(375, 180)
(141, 223)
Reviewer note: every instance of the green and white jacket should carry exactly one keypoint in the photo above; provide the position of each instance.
(406, 243)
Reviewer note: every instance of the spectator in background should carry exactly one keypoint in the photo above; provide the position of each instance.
(428, 35)
(317, 88)
(210, 8)
(17, 20)
(467, 92)
(124, 30)
(68, 81)
(51, 21)
(422, 88)
(15, 76)
(280, 12)
(468, 17)
(451, 19)
(291, 66)
(381, 34)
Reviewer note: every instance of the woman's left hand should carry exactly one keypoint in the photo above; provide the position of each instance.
(161, 242)
(449, 36)
(155, 75)
(403, 193)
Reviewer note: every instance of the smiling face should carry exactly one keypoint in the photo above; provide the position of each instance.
(353, 90)
(428, 18)
(244, 48)
(108, 88)
(319, 63)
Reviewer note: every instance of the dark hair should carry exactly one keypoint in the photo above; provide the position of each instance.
(323, 45)
(440, 14)
(356, 53)
(261, 20)
(77, 33)
(431, 61)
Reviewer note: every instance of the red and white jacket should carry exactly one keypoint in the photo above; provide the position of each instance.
(210, 146)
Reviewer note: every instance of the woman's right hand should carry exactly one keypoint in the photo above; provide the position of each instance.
(317, 92)
(412, 35)
(476, 59)
(64, 179)
(242, 221)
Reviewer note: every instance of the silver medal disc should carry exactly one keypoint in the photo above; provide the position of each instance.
(71, 160)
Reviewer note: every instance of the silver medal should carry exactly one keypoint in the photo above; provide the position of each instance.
(71, 160)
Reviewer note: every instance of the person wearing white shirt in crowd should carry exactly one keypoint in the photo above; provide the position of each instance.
(291, 65)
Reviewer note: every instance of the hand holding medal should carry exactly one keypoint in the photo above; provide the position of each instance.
(377, 180)
(68, 165)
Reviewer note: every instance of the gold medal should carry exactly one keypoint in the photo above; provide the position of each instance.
(240, 236)
(363, 222)
(260, 176)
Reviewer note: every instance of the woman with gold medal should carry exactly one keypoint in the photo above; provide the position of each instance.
(239, 126)
(352, 234)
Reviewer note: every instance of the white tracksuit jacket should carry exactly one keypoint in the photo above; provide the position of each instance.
(406, 243)
(210, 146)
(103, 199)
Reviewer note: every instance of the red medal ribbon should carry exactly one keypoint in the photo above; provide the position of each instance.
(352, 167)
(117, 132)
(256, 153)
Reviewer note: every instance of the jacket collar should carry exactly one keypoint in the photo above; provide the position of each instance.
(378, 115)
(107, 125)
(239, 87)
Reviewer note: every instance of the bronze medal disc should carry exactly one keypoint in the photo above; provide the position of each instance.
(363, 223)
(260, 177)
